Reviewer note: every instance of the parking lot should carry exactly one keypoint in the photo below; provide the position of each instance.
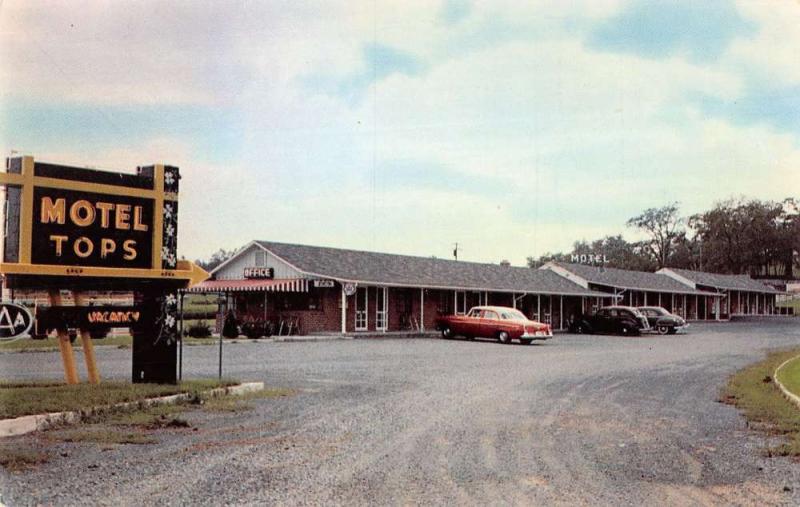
(575, 420)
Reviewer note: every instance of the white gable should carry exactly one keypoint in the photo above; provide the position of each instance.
(569, 275)
(675, 276)
(255, 256)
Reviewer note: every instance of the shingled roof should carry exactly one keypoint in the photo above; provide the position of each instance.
(628, 279)
(726, 282)
(406, 270)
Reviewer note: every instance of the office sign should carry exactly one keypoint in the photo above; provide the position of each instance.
(259, 273)
(15, 321)
(324, 284)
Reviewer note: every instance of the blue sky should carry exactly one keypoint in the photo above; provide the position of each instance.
(513, 128)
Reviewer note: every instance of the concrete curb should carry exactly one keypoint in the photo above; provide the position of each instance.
(793, 398)
(30, 423)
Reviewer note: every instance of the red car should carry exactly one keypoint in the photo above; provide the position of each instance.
(504, 324)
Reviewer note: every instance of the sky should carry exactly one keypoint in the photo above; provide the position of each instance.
(511, 128)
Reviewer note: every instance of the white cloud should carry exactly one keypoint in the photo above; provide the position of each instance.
(579, 140)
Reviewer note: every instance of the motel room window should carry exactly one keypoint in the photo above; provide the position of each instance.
(362, 302)
(381, 308)
(461, 302)
(301, 302)
(261, 259)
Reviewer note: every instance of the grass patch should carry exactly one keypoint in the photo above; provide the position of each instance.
(15, 459)
(790, 376)
(37, 398)
(101, 435)
(753, 391)
(161, 416)
(51, 343)
(792, 303)
(241, 402)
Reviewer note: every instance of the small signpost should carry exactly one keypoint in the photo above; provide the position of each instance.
(83, 229)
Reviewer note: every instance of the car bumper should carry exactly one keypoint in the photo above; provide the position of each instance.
(536, 336)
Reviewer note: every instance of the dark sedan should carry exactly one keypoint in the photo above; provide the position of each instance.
(661, 321)
(624, 320)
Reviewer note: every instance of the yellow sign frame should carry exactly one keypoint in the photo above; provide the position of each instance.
(27, 180)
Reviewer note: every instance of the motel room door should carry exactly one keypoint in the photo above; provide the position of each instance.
(361, 309)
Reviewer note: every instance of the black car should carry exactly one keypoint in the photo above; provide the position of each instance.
(624, 320)
(661, 321)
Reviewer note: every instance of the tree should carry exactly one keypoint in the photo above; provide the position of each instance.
(756, 237)
(216, 259)
(663, 226)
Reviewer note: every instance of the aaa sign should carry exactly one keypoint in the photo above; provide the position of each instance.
(15, 321)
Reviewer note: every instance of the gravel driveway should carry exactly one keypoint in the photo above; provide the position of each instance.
(577, 420)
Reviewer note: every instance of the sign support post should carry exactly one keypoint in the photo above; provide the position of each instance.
(86, 343)
(67, 355)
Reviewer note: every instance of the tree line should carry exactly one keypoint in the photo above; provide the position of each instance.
(736, 236)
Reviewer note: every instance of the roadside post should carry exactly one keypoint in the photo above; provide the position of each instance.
(78, 229)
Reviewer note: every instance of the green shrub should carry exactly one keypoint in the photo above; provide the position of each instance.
(198, 330)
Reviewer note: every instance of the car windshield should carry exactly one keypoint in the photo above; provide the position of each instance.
(512, 315)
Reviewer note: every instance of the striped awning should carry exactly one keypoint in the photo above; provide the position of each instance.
(285, 285)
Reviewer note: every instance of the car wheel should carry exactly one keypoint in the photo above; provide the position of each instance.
(447, 333)
(504, 338)
(579, 329)
(526, 342)
(625, 331)
(672, 330)
(663, 329)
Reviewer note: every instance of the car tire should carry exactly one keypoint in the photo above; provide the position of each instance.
(447, 333)
(672, 330)
(525, 342)
(579, 329)
(504, 338)
(662, 330)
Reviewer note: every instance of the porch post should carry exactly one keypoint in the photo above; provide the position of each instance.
(344, 311)
(696, 307)
(422, 310)
(645, 298)
(514, 300)
(561, 312)
(539, 307)
(659, 299)
(672, 309)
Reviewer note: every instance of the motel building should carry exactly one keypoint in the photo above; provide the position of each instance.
(316, 290)
(740, 295)
(304, 289)
(693, 295)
